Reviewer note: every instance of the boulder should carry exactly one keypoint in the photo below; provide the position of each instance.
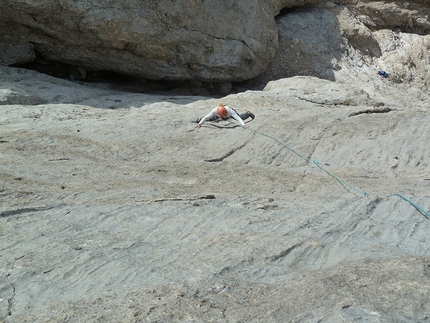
(173, 40)
(220, 41)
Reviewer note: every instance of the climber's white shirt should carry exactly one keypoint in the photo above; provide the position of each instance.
(230, 113)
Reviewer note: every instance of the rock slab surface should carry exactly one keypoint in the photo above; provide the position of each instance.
(112, 208)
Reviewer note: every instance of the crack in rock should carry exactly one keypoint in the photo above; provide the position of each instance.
(5, 214)
(371, 110)
(231, 152)
(283, 253)
(10, 299)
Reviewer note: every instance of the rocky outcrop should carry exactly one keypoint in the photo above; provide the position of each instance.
(350, 41)
(188, 39)
(220, 41)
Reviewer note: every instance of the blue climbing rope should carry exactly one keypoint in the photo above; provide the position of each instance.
(427, 214)
(346, 185)
(316, 163)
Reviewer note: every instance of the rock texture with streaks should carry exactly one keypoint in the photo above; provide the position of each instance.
(219, 41)
(113, 208)
(176, 40)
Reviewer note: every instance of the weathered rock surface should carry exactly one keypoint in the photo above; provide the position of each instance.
(350, 42)
(112, 208)
(188, 39)
(221, 41)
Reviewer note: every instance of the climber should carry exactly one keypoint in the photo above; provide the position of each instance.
(224, 112)
(382, 73)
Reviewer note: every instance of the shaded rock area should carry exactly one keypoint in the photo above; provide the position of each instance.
(350, 42)
(111, 211)
(218, 41)
(225, 40)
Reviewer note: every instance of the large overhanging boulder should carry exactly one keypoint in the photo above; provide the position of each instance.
(205, 40)
(219, 41)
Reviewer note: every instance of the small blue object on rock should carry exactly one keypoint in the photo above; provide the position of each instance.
(382, 73)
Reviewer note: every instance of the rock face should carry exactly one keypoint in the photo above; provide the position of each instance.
(345, 42)
(187, 39)
(220, 41)
(113, 209)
